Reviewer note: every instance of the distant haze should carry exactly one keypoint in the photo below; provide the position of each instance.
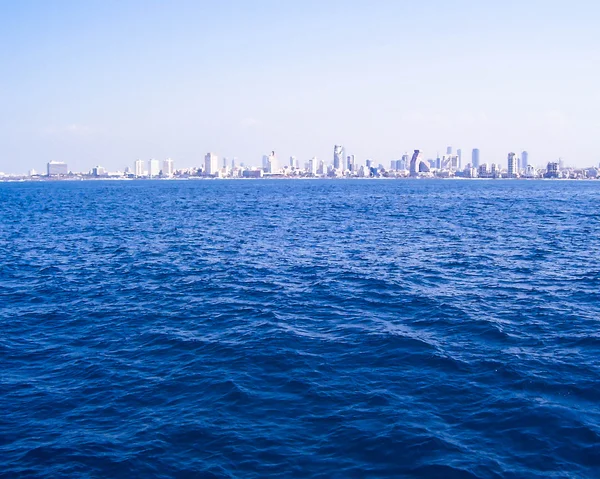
(106, 82)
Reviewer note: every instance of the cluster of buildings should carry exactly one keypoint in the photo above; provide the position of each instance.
(340, 165)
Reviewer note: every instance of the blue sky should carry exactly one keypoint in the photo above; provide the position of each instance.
(106, 82)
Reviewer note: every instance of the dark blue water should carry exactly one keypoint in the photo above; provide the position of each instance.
(332, 329)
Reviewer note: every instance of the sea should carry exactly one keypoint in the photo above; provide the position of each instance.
(300, 329)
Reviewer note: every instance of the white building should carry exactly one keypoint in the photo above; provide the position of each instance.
(167, 169)
(211, 164)
(153, 168)
(138, 168)
(513, 165)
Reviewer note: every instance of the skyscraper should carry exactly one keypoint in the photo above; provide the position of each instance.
(338, 157)
(211, 164)
(350, 163)
(153, 168)
(512, 165)
(167, 169)
(414, 163)
(138, 168)
(449, 150)
(273, 165)
(292, 161)
(459, 155)
(524, 160)
(475, 158)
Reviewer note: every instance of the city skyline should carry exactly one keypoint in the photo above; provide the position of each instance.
(102, 82)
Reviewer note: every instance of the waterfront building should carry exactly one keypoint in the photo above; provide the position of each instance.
(313, 165)
(459, 156)
(265, 162)
(338, 157)
(273, 166)
(351, 163)
(57, 168)
(524, 160)
(449, 151)
(292, 161)
(415, 162)
(167, 168)
(483, 171)
(138, 168)
(475, 158)
(513, 166)
(153, 168)
(98, 171)
(211, 165)
(553, 169)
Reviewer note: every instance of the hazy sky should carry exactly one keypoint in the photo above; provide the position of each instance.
(105, 82)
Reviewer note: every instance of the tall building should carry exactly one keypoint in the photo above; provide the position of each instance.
(211, 164)
(449, 150)
(273, 166)
(475, 158)
(138, 168)
(153, 168)
(292, 161)
(524, 160)
(414, 163)
(338, 157)
(459, 155)
(265, 162)
(313, 166)
(167, 169)
(351, 163)
(57, 168)
(513, 167)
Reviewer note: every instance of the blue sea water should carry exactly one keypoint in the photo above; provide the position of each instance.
(327, 329)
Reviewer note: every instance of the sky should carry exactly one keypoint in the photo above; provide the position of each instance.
(106, 82)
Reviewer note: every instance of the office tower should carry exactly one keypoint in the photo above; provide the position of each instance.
(524, 160)
(98, 171)
(153, 168)
(313, 166)
(57, 168)
(233, 162)
(167, 169)
(368, 162)
(459, 156)
(224, 162)
(265, 162)
(350, 163)
(292, 161)
(449, 151)
(211, 164)
(338, 157)
(414, 163)
(273, 166)
(475, 158)
(438, 163)
(513, 167)
(138, 168)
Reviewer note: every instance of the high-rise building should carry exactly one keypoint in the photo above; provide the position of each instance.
(313, 166)
(513, 167)
(338, 157)
(292, 161)
(524, 160)
(273, 166)
(167, 168)
(138, 168)
(475, 158)
(449, 150)
(98, 171)
(459, 155)
(211, 164)
(414, 163)
(351, 163)
(57, 168)
(153, 168)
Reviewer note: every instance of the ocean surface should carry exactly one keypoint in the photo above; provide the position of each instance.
(301, 329)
